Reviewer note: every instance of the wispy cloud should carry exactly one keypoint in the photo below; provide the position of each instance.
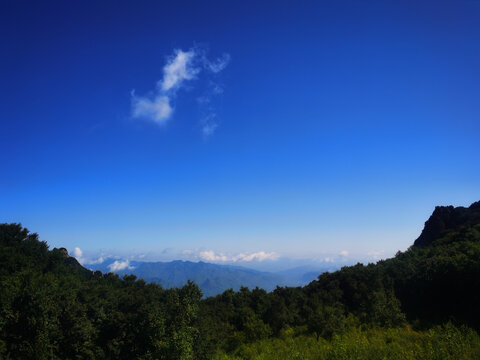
(179, 68)
(209, 124)
(182, 67)
(218, 64)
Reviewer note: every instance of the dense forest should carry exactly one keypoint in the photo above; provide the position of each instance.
(421, 304)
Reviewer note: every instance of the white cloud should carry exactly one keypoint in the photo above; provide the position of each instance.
(77, 252)
(210, 255)
(344, 253)
(95, 261)
(180, 67)
(119, 265)
(258, 256)
(158, 109)
(85, 259)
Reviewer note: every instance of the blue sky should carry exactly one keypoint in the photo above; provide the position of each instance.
(237, 130)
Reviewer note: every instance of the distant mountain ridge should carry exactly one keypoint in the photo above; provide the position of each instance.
(212, 279)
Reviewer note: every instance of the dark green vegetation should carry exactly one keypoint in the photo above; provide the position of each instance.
(421, 304)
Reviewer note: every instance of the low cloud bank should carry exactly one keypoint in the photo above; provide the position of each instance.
(119, 265)
(211, 256)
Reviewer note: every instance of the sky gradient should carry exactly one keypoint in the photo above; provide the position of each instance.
(297, 129)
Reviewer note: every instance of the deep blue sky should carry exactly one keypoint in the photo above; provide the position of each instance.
(341, 124)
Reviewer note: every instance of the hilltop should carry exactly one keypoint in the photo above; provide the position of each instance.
(447, 219)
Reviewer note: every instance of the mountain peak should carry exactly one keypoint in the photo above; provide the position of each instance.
(445, 219)
(63, 251)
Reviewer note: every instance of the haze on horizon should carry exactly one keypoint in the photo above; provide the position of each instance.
(237, 132)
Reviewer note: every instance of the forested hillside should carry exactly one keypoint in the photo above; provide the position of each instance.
(421, 304)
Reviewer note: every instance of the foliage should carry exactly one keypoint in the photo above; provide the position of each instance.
(52, 308)
(441, 342)
(421, 304)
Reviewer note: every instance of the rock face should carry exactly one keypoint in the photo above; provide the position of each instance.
(445, 219)
(64, 252)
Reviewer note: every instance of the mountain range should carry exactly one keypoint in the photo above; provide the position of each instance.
(212, 279)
